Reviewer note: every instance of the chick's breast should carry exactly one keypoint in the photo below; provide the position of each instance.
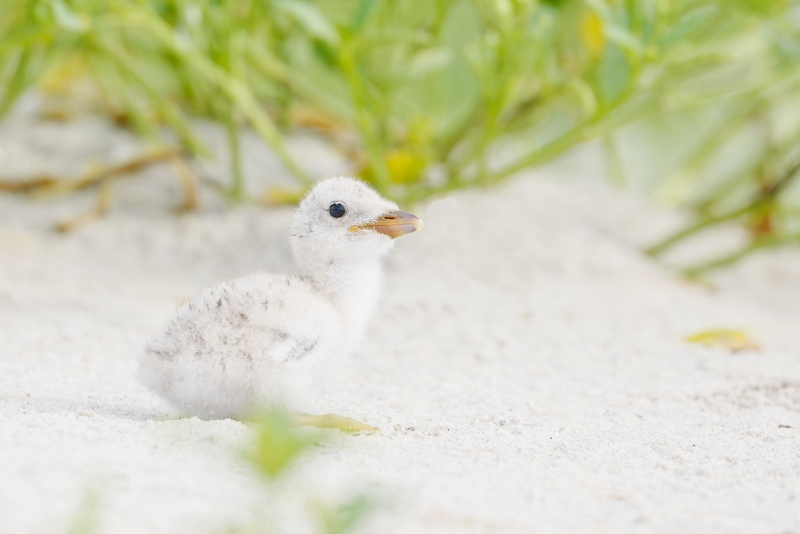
(239, 343)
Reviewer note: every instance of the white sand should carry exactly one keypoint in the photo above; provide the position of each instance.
(526, 366)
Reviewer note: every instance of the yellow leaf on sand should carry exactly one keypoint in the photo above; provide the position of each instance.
(724, 338)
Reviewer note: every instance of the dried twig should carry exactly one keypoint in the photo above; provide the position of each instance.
(47, 185)
(27, 186)
(188, 181)
(97, 177)
(102, 203)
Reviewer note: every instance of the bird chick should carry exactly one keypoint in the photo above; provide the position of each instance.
(253, 342)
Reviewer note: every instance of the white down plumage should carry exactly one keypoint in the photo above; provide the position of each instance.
(255, 341)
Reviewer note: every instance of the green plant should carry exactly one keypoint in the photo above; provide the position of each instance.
(438, 95)
(345, 517)
(278, 445)
(87, 520)
(742, 163)
(444, 84)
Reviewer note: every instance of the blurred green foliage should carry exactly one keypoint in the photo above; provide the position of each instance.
(739, 157)
(426, 97)
(343, 518)
(277, 444)
(87, 518)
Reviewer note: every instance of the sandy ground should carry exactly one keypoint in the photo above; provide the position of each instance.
(527, 367)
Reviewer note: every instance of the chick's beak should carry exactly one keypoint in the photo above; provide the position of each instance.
(394, 224)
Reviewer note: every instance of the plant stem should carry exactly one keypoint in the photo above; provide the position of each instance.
(236, 190)
(364, 121)
(263, 60)
(660, 247)
(170, 113)
(733, 257)
(545, 153)
(18, 81)
(766, 199)
(616, 167)
(236, 90)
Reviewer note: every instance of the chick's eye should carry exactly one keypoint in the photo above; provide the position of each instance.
(337, 210)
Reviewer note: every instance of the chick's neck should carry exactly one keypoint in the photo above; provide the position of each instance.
(353, 286)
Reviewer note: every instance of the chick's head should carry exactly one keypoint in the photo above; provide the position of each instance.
(343, 219)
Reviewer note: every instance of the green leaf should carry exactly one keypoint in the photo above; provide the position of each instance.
(429, 61)
(87, 519)
(277, 444)
(344, 518)
(362, 13)
(762, 8)
(612, 30)
(601, 8)
(623, 38)
(585, 95)
(614, 73)
(18, 83)
(688, 24)
(312, 20)
(67, 18)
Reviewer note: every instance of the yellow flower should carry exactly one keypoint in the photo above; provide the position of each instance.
(404, 166)
(591, 30)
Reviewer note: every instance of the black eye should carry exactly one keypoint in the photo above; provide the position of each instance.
(337, 210)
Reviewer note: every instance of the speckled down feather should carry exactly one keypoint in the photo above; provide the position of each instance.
(218, 341)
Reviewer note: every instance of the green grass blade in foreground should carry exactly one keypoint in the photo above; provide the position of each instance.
(277, 444)
(87, 518)
(343, 518)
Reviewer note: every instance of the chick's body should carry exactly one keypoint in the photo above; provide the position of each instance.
(259, 340)
(246, 342)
